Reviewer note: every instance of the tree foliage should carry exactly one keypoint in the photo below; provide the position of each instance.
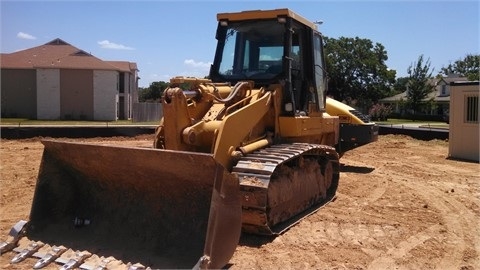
(467, 67)
(357, 71)
(418, 86)
(400, 84)
(153, 92)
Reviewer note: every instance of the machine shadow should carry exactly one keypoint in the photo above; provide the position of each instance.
(253, 240)
(355, 169)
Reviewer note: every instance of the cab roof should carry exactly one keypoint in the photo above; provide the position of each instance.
(265, 14)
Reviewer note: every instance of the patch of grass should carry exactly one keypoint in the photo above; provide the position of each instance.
(24, 121)
(423, 124)
(395, 121)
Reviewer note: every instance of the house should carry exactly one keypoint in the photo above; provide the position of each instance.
(436, 102)
(463, 142)
(59, 81)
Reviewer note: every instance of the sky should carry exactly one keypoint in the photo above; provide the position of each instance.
(177, 38)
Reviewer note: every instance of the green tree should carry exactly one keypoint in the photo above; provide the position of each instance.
(468, 67)
(400, 84)
(153, 92)
(418, 86)
(357, 71)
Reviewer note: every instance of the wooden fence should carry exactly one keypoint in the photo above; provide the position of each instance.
(147, 112)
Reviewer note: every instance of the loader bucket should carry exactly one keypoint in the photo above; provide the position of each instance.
(160, 208)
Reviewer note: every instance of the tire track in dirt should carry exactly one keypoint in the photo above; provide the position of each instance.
(353, 233)
(458, 222)
(401, 250)
(456, 226)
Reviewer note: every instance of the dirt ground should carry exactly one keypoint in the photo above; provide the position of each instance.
(401, 204)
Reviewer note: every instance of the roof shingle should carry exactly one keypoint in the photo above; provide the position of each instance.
(58, 54)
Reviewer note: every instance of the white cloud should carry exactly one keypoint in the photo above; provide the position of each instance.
(105, 44)
(193, 63)
(23, 35)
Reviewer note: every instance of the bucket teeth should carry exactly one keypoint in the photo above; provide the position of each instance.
(19, 244)
(137, 266)
(17, 231)
(5, 247)
(103, 264)
(76, 261)
(27, 252)
(51, 256)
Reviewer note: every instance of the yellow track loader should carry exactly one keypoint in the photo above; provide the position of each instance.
(252, 148)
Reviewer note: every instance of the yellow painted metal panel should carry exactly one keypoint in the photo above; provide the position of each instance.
(342, 110)
(306, 126)
(264, 14)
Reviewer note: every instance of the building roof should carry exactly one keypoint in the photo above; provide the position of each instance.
(465, 83)
(397, 97)
(448, 80)
(123, 65)
(57, 54)
(436, 93)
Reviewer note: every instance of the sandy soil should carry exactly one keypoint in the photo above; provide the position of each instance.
(401, 204)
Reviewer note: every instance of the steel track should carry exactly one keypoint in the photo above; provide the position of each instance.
(256, 172)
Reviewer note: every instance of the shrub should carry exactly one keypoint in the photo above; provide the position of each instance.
(379, 112)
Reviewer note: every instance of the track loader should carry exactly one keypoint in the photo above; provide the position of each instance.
(252, 148)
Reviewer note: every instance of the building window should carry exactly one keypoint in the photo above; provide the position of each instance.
(444, 90)
(122, 83)
(471, 109)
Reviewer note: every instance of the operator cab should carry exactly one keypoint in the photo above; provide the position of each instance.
(271, 47)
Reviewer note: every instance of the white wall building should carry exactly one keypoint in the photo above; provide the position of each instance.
(464, 126)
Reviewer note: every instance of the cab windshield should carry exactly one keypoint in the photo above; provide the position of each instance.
(251, 50)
